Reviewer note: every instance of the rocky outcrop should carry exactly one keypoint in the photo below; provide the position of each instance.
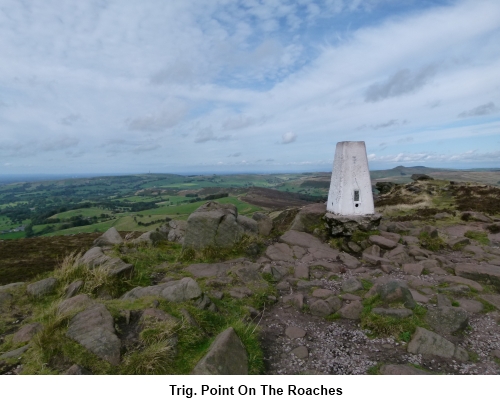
(149, 238)
(109, 238)
(216, 224)
(264, 223)
(226, 356)
(309, 218)
(115, 267)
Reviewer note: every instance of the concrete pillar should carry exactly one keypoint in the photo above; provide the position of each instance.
(350, 187)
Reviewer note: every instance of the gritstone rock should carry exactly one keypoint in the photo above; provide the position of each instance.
(94, 329)
(226, 356)
(109, 238)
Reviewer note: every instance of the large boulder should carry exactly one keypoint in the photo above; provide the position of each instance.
(149, 238)
(309, 218)
(109, 238)
(177, 230)
(264, 223)
(95, 257)
(213, 224)
(94, 329)
(42, 287)
(226, 356)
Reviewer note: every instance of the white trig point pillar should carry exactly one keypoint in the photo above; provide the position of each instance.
(350, 187)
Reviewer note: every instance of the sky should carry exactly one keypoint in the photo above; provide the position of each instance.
(214, 86)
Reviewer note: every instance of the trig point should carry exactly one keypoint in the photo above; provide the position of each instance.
(350, 200)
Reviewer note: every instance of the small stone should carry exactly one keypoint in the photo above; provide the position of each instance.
(296, 300)
(14, 353)
(322, 293)
(320, 308)
(382, 242)
(352, 310)
(351, 285)
(301, 352)
(293, 332)
(414, 269)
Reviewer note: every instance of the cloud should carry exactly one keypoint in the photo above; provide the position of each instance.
(206, 135)
(238, 123)
(145, 148)
(288, 137)
(70, 119)
(234, 154)
(402, 82)
(484, 109)
(269, 160)
(165, 119)
(405, 140)
(61, 143)
(387, 124)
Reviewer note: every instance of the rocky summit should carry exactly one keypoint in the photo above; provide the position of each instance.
(414, 289)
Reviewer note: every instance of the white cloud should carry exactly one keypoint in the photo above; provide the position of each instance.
(288, 137)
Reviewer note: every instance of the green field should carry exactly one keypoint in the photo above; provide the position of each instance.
(84, 212)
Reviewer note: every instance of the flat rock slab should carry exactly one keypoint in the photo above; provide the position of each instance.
(413, 269)
(300, 352)
(493, 299)
(94, 329)
(226, 356)
(349, 261)
(401, 369)
(76, 303)
(176, 291)
(426, 342)
(323, 253)
(301, 271)
(382, 242)
(447, 319)
(471, 306)
(201, 270)
(14, 353)
(293, 332)
(26, 333)
(322, 293)
(479, 272)
(462, 280)
(302, 239)
(280, 252)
